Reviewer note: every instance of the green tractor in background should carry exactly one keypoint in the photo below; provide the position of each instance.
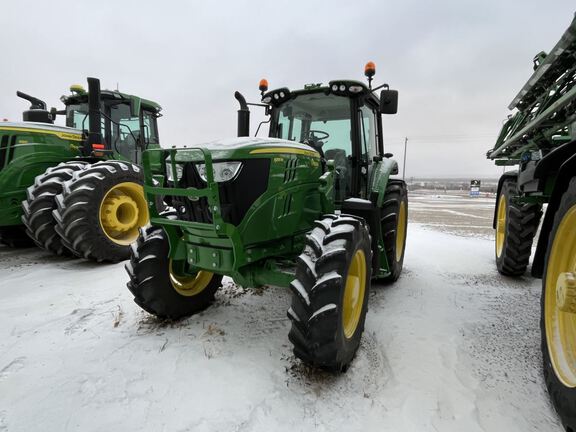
(72, 190)
(540, 141)
(312, 207)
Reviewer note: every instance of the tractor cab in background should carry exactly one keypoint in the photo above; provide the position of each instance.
(128, 123)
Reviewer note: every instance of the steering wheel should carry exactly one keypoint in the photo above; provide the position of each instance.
(322, 135)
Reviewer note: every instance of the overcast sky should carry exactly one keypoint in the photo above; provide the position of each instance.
(457, 64)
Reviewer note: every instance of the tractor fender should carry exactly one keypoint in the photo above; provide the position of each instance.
(381, 172)
(566, 172)
(505, 176)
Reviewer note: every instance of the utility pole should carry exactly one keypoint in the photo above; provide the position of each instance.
(404, 167)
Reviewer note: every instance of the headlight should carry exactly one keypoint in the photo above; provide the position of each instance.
(223, 171)
(179, 170)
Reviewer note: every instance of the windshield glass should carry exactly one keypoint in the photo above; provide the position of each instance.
(124, 129)
(77, 116)
(324, 122)
(315, 118)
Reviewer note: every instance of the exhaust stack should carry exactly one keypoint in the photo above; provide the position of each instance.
(243, 116)
(94, 115)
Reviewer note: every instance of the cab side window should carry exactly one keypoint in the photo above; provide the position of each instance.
(368, 132)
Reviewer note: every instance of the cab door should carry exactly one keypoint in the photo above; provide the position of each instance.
(367, 148)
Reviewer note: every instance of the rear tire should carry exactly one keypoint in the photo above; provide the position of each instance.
(15, 237)
(156, 288)
(81, 224)
(394, 223)
(41, 201)
(330, 292)
(558, 325)
(515, 230)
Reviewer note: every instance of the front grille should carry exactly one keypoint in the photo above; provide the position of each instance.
(236, 196)
(3, 150)
(290, 170)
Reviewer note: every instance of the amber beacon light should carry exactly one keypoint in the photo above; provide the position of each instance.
(263, 86)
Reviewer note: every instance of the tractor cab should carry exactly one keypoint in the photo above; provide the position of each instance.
(342, 121)
(128, 124)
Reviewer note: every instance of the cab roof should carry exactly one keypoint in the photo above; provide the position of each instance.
(347, 88)
(108, 95)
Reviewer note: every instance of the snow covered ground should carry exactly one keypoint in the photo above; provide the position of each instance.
(452, 346)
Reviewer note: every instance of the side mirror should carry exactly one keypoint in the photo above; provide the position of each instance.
(389, 101)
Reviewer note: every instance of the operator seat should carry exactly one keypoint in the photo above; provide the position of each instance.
(341, 167)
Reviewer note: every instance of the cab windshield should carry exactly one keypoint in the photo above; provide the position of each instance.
(314, 118)
(323, 122)
(122, 131)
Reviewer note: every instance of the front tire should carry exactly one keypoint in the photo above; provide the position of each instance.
(40, 202)
(516, 226)
(558, 311)
(101, 209)
(156, 284)
(330, 292)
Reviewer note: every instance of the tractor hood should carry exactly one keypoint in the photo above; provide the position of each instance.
(62, 132)
(243, 148)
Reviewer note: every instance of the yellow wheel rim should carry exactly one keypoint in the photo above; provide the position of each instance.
(401, 231)
(122, 211)
(560, 300)
(501, 225)
(354, 293)
(189, 285)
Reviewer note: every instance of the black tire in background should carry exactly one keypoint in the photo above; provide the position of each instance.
(156, 288)
(322, 333)
(394, 223)
(515, 230)
(40, 201)
(558, 327)
(79, 206)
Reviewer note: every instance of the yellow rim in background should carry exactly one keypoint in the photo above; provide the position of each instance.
(401, 231)
(122, 211)
(560, 300)
(501, 225)
(190, 285)
(354, 293)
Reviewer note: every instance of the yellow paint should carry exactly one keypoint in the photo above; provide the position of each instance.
(354, 293)
(122, 211)
(286, 150)
(560, 300)
(63, 135)
(501, 225)
(401, 230)
(189, 286)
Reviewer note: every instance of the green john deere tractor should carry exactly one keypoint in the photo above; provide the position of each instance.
(72, 190)
(312, 207)
(540, 141)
